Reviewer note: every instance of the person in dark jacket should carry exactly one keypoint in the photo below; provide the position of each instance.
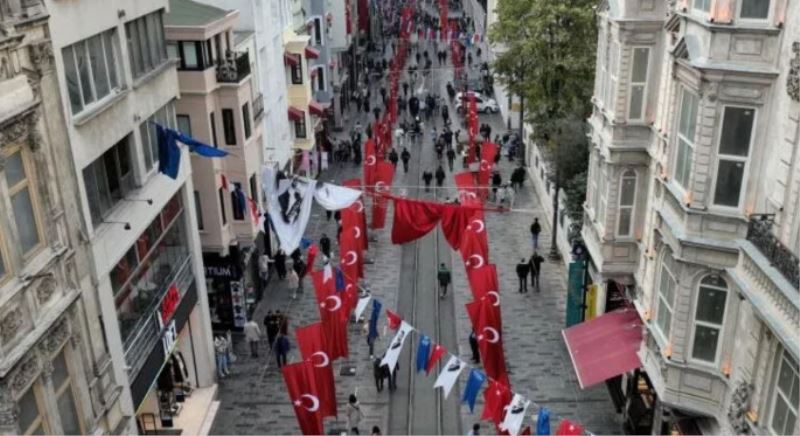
(405, 156)
(281, 349)
(440, 176)
(325, 245)
(280, 264)
(497, 180)
(523, 268)
(473, 345)
(536, 270)
(271, 325)
(443, 275)
(377, 372)
(451, 157)
(536, 229)
(427, 176)
(393, 158)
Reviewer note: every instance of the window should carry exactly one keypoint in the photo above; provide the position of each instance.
(2, 264)
(198, 210)
(246, 120)
(253, 188)
(317, 31)
(30, 415)
(602, 62)
(297, 72)
(222, 206)
(666, 299)
(611, 72)
(786, 396)
(300, 127)
(703, 5)
(194, 55)
(686, 130)
(238, 202)
(708, 318)
(641, 57)
(65, 397)
(320, 79)
(599, 195)
(228, 127)
(184, 124)
(627, 196)
(23, 201)
(754, 9)
(108, 179)
(147, 130)
(146, 45)
(734, 148)
(90, 67)
(213, 121)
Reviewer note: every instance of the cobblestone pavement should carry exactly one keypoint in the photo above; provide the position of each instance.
(254, 401)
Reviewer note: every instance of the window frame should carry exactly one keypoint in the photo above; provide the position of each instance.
(720, 327)
(775, 391)
(300, 128)
(150, 144)
(238, 213)
(733, 158)
(42, 416)
(198, 211)
(296, 72)
(221, 195)
(690, 143)
(767, 19)
(701, 10)
(127, 183)
(626, 174)
(247, 121)
(212, 120)
(112, 71)
(631, 84)
(155, 44)
(661, 299)
(188, 119)
(229, 127)
(29, 182)
(68, 385)
(319, 82)
(611, 76)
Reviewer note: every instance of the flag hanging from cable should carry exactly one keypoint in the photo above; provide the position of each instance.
(474, 383)
(169, 154)
(423, 352)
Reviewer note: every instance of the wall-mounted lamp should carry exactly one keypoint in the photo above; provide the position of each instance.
(126, 227)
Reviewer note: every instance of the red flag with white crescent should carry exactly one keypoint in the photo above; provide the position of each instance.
(488, 151)
(495, 399)
(302, 389)
(332, 312)
(482, 280)
(455, 220)
(437, 352)
(358, 208)
(383, 182)
(474, 243)
(370, 164)
(311, 341)
(467, 192)
(351, 256)
(487, 327)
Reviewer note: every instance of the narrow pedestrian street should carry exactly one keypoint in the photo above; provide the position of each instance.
(253, 399)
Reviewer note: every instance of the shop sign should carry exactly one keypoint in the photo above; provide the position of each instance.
(170, 302)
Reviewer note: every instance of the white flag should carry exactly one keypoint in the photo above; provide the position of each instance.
(334, 197)
(363, 300)
(289, 204)
(515, 414)
(396, 346)
(447, 378)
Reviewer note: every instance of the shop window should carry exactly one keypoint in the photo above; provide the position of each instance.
(666, 299)
(108, 179)
(238, 202)
(90, 67)
(732, 156)
(164, 116)
(146, 46)
(184, 124)
(30, 412)
(228, 127)
(708, 318)
(627, 196)
(213, 121)
(23, 201)
(65, 396)
(198, 210)
(686, 130)
(785, 396)
(246, 120)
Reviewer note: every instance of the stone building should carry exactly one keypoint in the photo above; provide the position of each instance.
(693, 208)
(56, 372)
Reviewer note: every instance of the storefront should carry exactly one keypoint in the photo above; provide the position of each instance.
(232, 283)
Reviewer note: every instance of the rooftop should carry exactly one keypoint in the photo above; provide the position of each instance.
(188, 13)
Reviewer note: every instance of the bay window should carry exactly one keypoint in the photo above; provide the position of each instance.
(686, 132)
(146, 46)
(638, 83)
(754, 9)
(785, 396)
(734, 149)
(90, 67)
(627, 196)
(708, 318)
(666, 299)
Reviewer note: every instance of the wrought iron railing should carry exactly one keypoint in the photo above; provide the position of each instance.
(258, 107)
(234, 68)
(759, 233)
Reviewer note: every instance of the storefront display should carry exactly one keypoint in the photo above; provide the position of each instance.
(232, 282)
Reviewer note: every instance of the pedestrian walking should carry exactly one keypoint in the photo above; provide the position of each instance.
(383, 95)
(293, 283)
(221, 353)
(473, 345)
(443, 275)
(393, 158)
(252, 334)
(405, 156)
(517, 177)
(354, 414)
(497, 180)
(451, 157)
(271, 327)
(440, 176)
(281, 349)
(536, 229)
(325, 245)
(299, 267)
(280, 264)
(392, 376)
(376, 431)
(536, 270)
(523, 268)
(282, 320)
(475, 431)
(427, 176)
(377, 372)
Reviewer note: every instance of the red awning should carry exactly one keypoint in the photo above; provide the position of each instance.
(312, 53)
(316, 108)
(291, 59)
(604, 347)
(295, 114)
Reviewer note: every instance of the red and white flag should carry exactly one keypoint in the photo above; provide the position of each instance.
(488, 329)
(332, 312)
(475, 246)
(383, 183)
(311, 342)
(488, 152)
(495, 399)
(437, 352)
(302, 388)
(394, 319)
(370, 164)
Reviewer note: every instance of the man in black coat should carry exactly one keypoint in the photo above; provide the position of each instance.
(536, 270)
(405, 156)
(523, 268)
(325, 245)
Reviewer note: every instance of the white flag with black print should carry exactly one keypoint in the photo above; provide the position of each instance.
(334, 197)
(289, 203)
(515, 415)
(363, 301)
(396, 346)
(447, 378)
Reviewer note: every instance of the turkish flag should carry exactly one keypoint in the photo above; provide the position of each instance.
(414, 219)
(455, 220)
(394, 319)
(487, 326)
(436, 353)
(311, 342)
(349, 295)
(302, 388)
(488, 151)
(495, 399)
(358, 208)
(333, 314)
(483, 280)
(383, 182)
(467, 192)
(351, 256)
(370, 164)
(474, 247)
(567, 428)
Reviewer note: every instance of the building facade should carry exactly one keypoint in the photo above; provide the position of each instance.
(692, 207)
(56, 373)
(117, 83)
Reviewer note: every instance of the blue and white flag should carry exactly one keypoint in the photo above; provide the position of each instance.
(474, 383)
(423, 353)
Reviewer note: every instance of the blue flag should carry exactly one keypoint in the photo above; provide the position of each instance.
(169, 154)
(423, 353)
(474, 383)
(198, 147)
(339, 280)
(305, 243)
(543, 422)
(373, 319)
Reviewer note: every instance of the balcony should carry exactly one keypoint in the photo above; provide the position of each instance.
(258, 107)
(759, 233)
(234, 68)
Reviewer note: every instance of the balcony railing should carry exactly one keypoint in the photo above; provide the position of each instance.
(759, 233)
(234, 68)
(258, 107)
